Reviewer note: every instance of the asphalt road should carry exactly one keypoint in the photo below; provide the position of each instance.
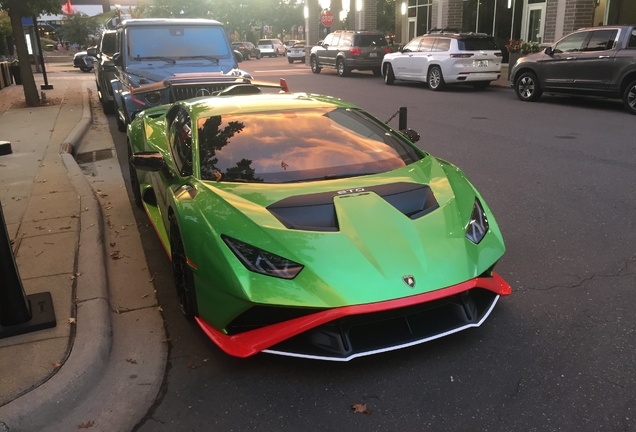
(558, 354)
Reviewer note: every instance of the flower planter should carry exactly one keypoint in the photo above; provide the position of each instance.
(15, 72)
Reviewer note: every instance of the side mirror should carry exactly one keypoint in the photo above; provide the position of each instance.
(148, 161)
(117, 60)
(238, 57)
(401, 48)
(92, 51)
(549, 51)
(411, 135)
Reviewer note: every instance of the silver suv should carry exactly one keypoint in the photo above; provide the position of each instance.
(346, 50)
(439, 58)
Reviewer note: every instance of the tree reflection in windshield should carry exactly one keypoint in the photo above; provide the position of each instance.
(213, 139)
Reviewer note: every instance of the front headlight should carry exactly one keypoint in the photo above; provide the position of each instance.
(153, 98)
(478, 224)
(263, 262)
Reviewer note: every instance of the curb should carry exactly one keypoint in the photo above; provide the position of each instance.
(92, 344)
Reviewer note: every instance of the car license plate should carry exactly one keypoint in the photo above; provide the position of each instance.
(481, 63)
(373, 54)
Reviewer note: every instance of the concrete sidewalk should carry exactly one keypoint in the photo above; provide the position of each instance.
(55, 221)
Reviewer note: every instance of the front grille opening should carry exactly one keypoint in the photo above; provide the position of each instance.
(263, 316)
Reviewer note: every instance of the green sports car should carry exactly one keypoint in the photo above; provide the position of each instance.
(301, 225)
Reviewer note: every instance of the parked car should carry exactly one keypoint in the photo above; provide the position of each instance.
(441, 58)
(160, 61)
(271, 47)
(595, 61)
(105, 70)
(296, 52)
(346, 50)
(83, 61)
(247, 49)
(257, 198)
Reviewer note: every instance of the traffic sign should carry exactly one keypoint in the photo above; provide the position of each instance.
(327, 18)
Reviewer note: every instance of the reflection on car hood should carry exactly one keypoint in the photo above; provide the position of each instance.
(147, 74)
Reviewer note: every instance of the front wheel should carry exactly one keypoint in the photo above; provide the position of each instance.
(527, 87)
(289, 60)
(258, 56)
(182, 273)
(389, 77)
(435, 79)
(343, 70)
(86, 69)
(629, 98)
(314, 65)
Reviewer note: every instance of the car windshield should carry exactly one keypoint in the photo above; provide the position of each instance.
(296, 146)
(177, 42)
(477, 44)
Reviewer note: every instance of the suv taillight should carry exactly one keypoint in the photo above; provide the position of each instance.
(461, 55)
(355, 51)
(387, 50)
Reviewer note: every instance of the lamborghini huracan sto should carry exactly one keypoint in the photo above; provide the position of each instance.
(301, 225)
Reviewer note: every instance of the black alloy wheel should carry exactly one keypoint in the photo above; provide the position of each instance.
(314, 65)
(527, 87)
(629, 97)
(389, 77)
(435, 79)
(134, 180)
(182, 273)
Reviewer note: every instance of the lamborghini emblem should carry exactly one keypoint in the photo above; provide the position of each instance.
(409, 280)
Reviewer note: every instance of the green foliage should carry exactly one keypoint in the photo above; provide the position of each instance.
(78, 28)
(30, 8)
(386, 16)
(5, 24)
(46, 44)
(523, 47)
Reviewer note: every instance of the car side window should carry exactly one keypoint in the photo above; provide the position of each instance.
(328, 39)
(442, 44)
(335, 40)
(346, 40)
(601, 40)
(412, 45)
(181, 141)
(427, 44)
(571, 43)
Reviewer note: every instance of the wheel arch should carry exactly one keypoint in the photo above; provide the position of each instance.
(627, 79)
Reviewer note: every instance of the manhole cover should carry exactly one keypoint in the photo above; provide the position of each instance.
(93, 156)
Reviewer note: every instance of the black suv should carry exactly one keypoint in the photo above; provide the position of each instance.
(346, 50)
(105, 68)
(595, 61)
(161, 61)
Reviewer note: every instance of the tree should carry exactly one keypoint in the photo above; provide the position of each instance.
(5, 32)
(17, 10)
(386, 16)
(78, 27)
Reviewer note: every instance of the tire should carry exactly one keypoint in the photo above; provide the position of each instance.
(527, 87)
(343, 70)
(480, 85)
(435, 79)
(289, 60)
(109, 107)
(182, 273)
(389, 76)
(258, 56)
(134, 181)
(86, 69)
(629, 97)
(121, 126)
(377, 71)
(314, 65)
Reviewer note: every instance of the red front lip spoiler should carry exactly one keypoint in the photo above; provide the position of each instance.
(254, 341)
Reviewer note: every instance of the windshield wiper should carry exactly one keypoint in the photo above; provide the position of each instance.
(166, 59)
(212, 59)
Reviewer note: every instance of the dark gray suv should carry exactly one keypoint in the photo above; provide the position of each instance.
(595, 61)
(105, 68)
(346, 50)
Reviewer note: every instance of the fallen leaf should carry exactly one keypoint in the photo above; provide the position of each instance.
(72, 321)
(144, 296)
(151, 279)
(166, 340)
(115, 255)
(191, 366)
(86, 425)
(113, 244)
(360, 408)
(131, 361)
(57, 365)
(160, 309)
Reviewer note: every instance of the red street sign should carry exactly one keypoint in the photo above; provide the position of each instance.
(327, 18)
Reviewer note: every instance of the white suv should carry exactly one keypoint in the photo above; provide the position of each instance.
(440, 58)
(271, 47)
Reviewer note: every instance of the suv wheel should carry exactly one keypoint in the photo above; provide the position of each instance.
(629, 98)
(527, 87)
(435, 79)
(314, 65)
(342, 69)
(389, 77)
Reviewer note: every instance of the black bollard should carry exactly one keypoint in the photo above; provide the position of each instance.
(19, 313)
(402, 119)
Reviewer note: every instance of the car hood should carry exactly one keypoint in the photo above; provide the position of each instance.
(149, 73)
(374, 247)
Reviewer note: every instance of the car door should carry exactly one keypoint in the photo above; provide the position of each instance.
(403, 60)
(333, 49)
(322, 52)
(422, 57)
(557, 69)
(594, 66)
